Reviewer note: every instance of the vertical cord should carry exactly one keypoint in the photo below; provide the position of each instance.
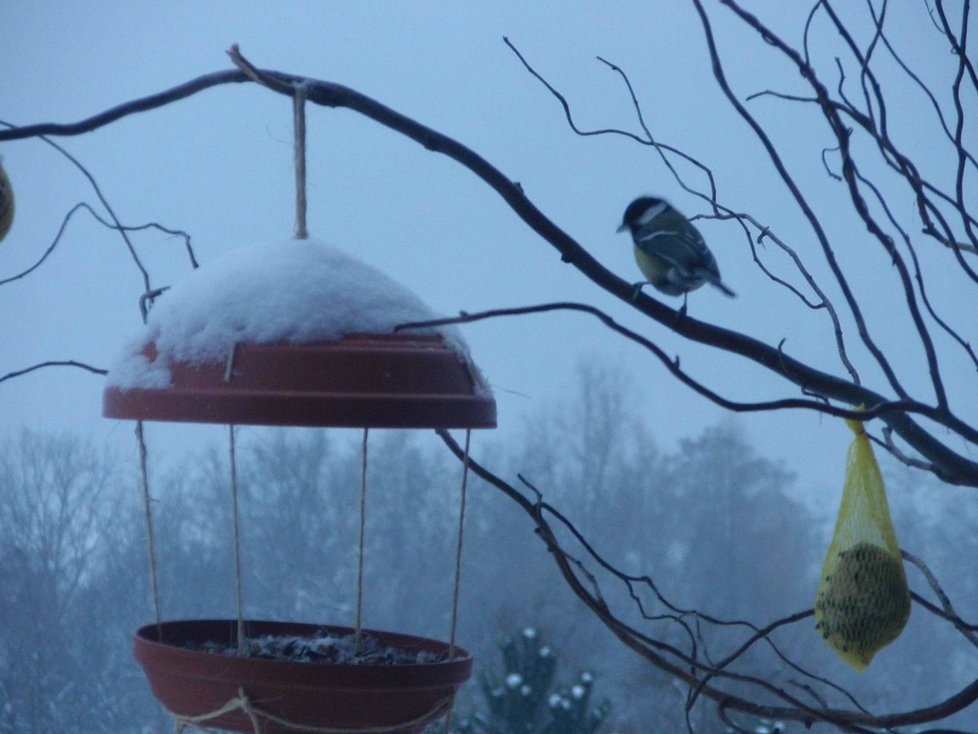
(363, 522)
(458, 544)
(458, 567)
(237, 542)
(299, 122)
(150, 542)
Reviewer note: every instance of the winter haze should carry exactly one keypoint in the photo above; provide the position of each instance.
(731, 513)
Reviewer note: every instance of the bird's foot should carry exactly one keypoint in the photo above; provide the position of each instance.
(681, 313)
(637, 288)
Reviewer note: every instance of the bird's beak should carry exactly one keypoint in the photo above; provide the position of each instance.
(622, 228)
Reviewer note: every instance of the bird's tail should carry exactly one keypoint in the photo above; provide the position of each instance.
(726, 291)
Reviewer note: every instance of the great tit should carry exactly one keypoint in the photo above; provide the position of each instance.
(6, 203)
(669, 250)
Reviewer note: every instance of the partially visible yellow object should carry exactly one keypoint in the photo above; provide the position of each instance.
(6, 203)
(863, 601)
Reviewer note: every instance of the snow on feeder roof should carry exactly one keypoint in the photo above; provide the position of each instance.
(296, 332)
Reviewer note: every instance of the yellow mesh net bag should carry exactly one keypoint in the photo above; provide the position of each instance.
(863, 601)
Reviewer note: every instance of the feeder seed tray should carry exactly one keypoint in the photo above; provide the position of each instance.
(399, 698)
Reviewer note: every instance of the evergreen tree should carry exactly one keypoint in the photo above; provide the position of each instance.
(522, 699)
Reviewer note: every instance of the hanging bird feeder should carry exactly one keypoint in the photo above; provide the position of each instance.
(296, 333)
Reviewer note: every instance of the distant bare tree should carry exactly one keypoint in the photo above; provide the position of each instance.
(52, 513)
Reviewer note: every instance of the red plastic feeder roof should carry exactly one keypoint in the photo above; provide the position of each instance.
(375, 381)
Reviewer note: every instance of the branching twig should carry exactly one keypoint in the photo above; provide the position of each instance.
(721, 212)
(968, 630)
(98, 192)
(672, 364)
(127, 228)
(793, 187)
(899, 162)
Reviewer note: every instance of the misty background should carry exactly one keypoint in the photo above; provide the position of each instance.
(714, 523)
(731, 514)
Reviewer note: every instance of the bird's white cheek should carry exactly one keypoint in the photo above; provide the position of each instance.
(651, 213)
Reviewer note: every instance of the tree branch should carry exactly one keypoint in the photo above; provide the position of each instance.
(950, 466)
(684, 668)
(104, 222)
(672, 364)
(721, 212)
(54, 363)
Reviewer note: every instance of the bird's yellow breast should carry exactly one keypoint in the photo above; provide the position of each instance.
(653, 268)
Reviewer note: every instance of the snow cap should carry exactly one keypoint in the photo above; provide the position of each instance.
(294, 291)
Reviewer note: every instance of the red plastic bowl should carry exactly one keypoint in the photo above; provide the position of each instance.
(401, 699)
(375, 381)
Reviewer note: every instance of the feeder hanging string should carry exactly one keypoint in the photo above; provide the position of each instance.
(299, 119)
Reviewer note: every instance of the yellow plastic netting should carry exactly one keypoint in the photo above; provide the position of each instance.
(863, 601)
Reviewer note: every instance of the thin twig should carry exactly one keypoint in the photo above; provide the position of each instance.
(54, 363)
(721, 212)
(84, 206)
(875, 410)
(968, 630)
(105, 203)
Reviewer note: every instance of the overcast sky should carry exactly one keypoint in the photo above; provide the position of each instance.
(219, 165)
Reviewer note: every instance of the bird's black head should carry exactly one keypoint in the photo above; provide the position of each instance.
(636, 209)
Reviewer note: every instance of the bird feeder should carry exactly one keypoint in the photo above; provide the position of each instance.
(295, 333)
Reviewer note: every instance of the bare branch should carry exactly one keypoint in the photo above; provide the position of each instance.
(851, 174)
(721, 212)
(683, 667)
(98, 193)
(648, 139)
(54, 363)
(125, 109)
(824, 301)
(567, 110)
(764, 138)
(127, 228)
(968, 630)
(923, 87)
(918, 275)
(949, 465)
(874, 411)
